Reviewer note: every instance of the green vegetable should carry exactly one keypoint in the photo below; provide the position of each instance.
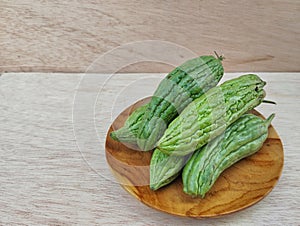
(165, 168)
(181, 86)
(243, 138)
(128, 133)
(209, 115)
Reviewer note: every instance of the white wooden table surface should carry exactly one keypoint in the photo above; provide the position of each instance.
(53, 169)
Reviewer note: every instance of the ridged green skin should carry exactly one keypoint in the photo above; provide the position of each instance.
(243, 138)
(165, 168)
(128, 133)
(209, 115)
(181, 86)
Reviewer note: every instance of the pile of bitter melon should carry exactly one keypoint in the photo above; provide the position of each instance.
(195, 125)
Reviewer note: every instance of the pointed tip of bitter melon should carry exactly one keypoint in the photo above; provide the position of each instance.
(269, 119)
(114, 136)
(154, 183)
(153, 187)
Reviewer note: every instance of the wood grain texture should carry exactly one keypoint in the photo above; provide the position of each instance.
(67, 36)
(46, 179)
(238, 187)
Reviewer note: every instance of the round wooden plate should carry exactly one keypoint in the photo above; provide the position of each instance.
(240, 186)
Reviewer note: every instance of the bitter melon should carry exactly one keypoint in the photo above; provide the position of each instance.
(180, 87)
(243, 138)
(209, 115)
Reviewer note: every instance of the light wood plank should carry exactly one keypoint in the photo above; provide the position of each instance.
(44, 178)
(67, 36)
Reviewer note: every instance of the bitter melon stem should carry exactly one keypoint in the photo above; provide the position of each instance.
(269, 102)
(219, 57)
